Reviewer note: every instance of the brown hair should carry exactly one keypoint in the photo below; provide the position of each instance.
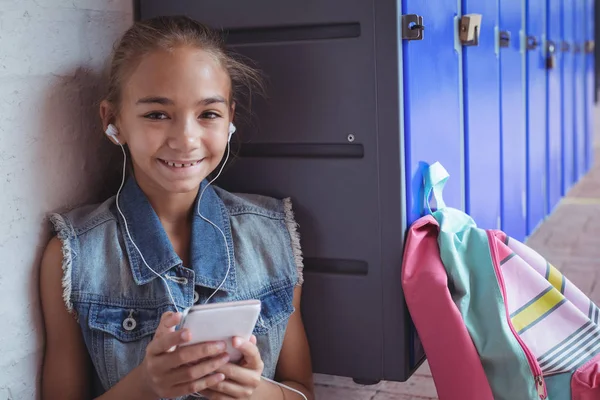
(167, 33)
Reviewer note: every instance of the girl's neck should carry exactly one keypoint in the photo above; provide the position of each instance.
(173, 209)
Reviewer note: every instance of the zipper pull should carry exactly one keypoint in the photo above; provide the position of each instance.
(539, 382)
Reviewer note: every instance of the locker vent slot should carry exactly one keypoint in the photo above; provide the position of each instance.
(301, 150)
(293, 33)
(336, 266)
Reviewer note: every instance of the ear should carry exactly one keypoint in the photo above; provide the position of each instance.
(107, 114)
(231, 111)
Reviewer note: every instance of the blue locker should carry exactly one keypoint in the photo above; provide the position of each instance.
(481, 72)
(554, 104)
(536, 113)
(514, 166)
(432, 129)
(580, 153)
(590, 83)
(568, 92)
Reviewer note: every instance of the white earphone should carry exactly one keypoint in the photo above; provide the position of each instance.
(112, 132)
(231, 130)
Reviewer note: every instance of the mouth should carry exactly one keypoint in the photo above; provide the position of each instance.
(180, 164)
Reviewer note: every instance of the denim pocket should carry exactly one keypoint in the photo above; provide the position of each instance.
(120, 336)
(276, 308)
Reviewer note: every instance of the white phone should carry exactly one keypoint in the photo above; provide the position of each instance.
(221, 322)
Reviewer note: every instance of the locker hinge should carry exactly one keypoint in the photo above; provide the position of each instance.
(469, 29)
(412, 27)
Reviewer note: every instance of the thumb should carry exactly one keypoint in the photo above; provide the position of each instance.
(168, 322)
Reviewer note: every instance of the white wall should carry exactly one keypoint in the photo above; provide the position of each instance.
(53, 55)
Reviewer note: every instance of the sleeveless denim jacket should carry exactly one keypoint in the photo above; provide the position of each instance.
(118, 301)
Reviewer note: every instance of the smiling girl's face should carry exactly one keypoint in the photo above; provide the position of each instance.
(174, 116)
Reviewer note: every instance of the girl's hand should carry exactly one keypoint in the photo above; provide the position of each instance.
(240, 380)
(170, 370)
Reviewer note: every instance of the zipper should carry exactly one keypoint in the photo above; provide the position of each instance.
(541, 386)
(538, 377)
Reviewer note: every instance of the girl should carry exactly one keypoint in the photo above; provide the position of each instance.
(117, 275)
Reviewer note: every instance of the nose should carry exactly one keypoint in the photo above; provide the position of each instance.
(185, 135)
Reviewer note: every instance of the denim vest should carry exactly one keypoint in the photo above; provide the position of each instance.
(118, 301)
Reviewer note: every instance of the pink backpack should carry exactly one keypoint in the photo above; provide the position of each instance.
(496, 320)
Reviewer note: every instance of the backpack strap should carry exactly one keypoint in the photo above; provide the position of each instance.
(434, 179)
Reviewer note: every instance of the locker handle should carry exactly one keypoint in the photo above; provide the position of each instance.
(590, 45)
(550, 54)
(504, 38)
(532, 43)
(412, 27)
(469, 29)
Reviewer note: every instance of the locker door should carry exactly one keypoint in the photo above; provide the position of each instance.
(482, 118)
(589, 84)
(536, 114)
(514, 207)
(568, 92)
(580, 153)
(431, 103)
(554, 116)
(432, 128)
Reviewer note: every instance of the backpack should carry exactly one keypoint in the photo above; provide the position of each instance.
(496, 320)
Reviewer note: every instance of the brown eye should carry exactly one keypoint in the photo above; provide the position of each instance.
(210, 115)
(156, 115)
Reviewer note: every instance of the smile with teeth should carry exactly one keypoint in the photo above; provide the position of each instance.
(178, 165)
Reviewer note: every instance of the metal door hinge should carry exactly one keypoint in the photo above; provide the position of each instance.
(412, 27)
(469, 29)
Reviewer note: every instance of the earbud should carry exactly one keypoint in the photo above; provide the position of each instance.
(112, 132)
(232, 129)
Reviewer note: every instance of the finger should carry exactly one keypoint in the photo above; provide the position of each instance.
(191, 373)
(194, 353)
(250, 352)
(166, 341)
(240, 375)
(200, 385)
(232, 390)
(213, 395)
(253, 339)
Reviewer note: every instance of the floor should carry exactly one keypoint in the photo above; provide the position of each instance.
(568, 239)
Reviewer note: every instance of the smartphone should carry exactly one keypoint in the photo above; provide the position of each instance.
(221, 322)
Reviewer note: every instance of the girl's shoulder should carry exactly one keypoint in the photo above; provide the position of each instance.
(274, 218)
(247, 203)
(81, 219)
